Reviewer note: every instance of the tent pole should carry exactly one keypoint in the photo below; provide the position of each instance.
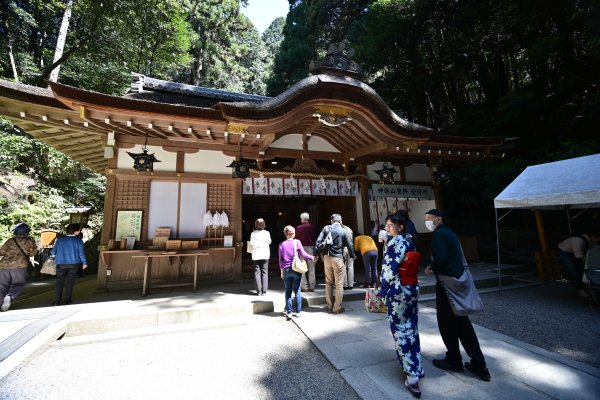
(498, 250)
(569, 222)
(546, 260)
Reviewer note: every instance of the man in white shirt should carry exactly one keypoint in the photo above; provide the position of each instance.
(571, 253)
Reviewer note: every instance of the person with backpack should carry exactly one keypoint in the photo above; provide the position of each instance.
(571, 254)
(331, 242)
(14, 260)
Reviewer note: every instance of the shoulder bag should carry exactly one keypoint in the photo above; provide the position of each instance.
(30, 266)
(462, 293)
(299, 265)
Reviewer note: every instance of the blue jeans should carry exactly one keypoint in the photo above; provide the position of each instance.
(291, 280)
(370, 263)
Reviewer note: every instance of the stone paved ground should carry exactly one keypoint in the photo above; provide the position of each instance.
(551, 316)
(264, 357)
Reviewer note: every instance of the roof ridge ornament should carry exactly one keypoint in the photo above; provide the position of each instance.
(338, 61)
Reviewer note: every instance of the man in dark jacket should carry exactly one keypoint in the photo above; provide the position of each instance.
(447, 259)
(334, 261)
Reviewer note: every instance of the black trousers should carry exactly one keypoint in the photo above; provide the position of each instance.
(261, 275)
(454, 328)
(68, 273)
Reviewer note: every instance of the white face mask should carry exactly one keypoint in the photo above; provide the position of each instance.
(430, 225)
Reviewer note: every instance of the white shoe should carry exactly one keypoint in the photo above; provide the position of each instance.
(296, 315)
(6, 303)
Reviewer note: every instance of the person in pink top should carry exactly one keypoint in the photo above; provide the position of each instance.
(291, 279)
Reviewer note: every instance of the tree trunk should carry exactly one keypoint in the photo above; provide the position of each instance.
(62, 38)
(12, 62)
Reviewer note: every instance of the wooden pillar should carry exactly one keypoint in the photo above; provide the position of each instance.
(364, 197)
(437, 189)
(545, 255)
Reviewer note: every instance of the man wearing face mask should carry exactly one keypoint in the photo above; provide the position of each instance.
(447, 259)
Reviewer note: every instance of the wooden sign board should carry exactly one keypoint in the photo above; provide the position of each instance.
(189, 244)
(173, 244)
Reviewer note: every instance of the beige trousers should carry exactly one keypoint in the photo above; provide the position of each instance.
(335, 272)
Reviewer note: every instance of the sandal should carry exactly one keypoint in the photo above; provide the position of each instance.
(414, 389)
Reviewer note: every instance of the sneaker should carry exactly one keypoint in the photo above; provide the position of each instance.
(482, 372)
(448, 365)
(296, 315)
(6, 303)
(288, 316)
(413, 388)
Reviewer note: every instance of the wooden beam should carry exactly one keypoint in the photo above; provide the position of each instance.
(367, 150)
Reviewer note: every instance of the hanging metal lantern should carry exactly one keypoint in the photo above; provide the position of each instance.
(386, 174)
(241, 168)
(143, 161)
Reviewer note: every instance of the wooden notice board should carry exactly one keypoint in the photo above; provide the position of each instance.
(129, 223)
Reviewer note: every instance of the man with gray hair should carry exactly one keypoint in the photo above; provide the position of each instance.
(331, 242)
(306, 233)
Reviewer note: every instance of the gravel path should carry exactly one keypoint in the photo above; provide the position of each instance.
(551, 316)
(270, 358)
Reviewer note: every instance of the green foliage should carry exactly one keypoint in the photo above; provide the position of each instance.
(295, 53)
(38, 183)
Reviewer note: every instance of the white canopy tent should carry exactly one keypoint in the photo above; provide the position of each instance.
(566, 184)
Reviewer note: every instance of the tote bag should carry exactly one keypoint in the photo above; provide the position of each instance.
(49, 267)
(299, 265)
(374, 302)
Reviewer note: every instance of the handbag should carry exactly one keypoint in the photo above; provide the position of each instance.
(299, 265)
(49, 266)
(248, 246)
(462, 293)
(374, 302)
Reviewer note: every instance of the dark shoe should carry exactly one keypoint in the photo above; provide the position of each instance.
(448, 365)
(311, 290)
(304, 290)
(414, 389)
(482, 372)
(346, 288)
(68, 302)
(365, 285)
(341, 310)
(350, 287)
(56, 303)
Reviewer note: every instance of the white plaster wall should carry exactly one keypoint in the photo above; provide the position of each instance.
(418, 173)
(207, 161)
(417, 210)
(168, 160)
(359, 216)
(294, 142)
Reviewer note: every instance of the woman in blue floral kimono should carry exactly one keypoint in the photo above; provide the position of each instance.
(401, 296)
